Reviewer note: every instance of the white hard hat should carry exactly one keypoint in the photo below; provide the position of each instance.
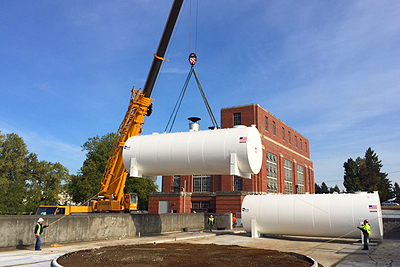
(40, 220)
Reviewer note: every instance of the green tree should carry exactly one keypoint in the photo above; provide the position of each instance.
(318, 189)
(26, 182)
(334, 189)
(396, 190)
(324, 188)
(142, 187)
(86, 183)
(365, 174)
(44, 186)
(13, 153)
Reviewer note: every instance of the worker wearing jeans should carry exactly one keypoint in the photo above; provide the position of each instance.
(38, 233)
(366, 229)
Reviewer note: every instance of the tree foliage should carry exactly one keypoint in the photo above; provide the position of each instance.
(364, 174)
(86, 183)
(142, 187)
(26, 182)
(324, 189)
(396, 190)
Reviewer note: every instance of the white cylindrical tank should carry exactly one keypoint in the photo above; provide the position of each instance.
(234, 151)
(324, 215)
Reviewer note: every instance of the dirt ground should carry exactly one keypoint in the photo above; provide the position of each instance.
(181, 254)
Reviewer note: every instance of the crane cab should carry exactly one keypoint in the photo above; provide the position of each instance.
(131, 201)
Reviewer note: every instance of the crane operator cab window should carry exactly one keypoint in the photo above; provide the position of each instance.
(53, 210)
(133, 198)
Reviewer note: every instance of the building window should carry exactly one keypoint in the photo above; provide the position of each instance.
(295, 140)
(283, 134)
(301, 144)
(266, 123)
(272, 173)
(300, 178)
(237, 183)
(305, 147)
(237, 119)
(201, 205)
(201, 183)
(274, 127)
(289, 138)
(288, 177)
(177, 183)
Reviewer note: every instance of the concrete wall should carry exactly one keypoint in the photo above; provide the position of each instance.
(17, 231)
(223, 221)
(391, 228)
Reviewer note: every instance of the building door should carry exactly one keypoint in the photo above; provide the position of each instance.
(163, 206)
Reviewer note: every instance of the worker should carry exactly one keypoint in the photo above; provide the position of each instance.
(234, 220)
(211, 222)
(366, 230)
(38, 233)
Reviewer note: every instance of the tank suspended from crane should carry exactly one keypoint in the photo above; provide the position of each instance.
(323, 215)
(235, 151)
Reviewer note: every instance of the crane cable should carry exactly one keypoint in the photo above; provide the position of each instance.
(196, 26)
(192, 60)
(178, 102)
(174, 114)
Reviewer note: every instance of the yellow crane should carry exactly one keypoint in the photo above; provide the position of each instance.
(111, 196)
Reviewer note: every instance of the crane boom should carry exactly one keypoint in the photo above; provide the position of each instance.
(162, 48)
(111, 196)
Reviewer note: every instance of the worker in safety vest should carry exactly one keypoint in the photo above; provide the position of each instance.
(211, 222)
(366, 229)
(38, 233)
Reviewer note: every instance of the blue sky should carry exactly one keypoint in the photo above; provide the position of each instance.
(329, 69)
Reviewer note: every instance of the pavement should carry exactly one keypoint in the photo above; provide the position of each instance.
(328, 252)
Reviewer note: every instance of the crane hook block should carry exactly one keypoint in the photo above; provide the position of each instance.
(192, 59)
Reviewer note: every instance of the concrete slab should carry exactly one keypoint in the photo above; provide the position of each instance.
(385, 254)
(327, 252)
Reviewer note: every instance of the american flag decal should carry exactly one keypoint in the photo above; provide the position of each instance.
(242, 139)
(373, 208)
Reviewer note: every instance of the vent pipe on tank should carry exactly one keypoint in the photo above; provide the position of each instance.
(193, 125)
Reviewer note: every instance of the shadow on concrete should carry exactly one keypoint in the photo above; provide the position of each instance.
(21, 245)
(391, 228)
(147, 224)
(312, 239)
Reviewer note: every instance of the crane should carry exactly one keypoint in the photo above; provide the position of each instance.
(111, 196)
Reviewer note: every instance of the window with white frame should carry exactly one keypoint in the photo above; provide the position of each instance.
(272, 173)
(288, 176)
(300, 179)
(201, 183)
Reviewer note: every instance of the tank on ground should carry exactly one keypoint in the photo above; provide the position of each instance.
(324, 215)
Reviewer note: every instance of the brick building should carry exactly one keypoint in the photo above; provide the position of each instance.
(287, 169)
